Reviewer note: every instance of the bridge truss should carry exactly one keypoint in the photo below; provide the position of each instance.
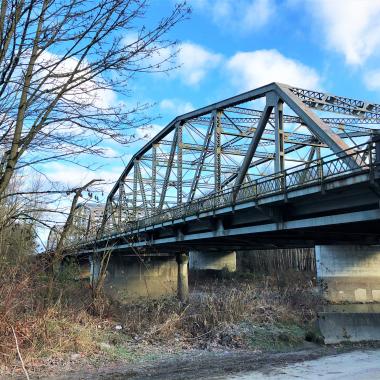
(226, 147)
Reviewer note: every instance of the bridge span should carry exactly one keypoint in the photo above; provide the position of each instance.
(274, 167)
(326, 203)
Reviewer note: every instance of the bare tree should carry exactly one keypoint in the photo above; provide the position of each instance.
(19, 200)
(61, 64)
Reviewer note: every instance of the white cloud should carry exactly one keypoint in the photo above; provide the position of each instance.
(176, 106)
(109, 152)
(90, 92)
(148, 132)
(372, 80)
(249, 70)
(351, 27)
(238, 15)
(189, 62)
(75, 176)
(195, 61)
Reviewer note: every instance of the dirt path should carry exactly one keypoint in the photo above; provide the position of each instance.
(191, 365)
(220, 365)
(356, 365)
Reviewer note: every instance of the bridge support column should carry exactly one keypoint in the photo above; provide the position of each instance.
(183, 278)
(202, 260)
(84, 269)
(349, 278)
(95, 264)
(130, 277)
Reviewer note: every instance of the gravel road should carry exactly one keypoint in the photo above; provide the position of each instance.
(355, 365)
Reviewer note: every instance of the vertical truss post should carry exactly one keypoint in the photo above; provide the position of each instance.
(141, 185)
(217, 150)
(279, 161)
(122, 202)
(134, 195)
(105, 218)
(119, 207)
(201, 160)
(279, 165)
(154, 177)
(108, 218)
(179, 163)
(112, 213)
(168, 170)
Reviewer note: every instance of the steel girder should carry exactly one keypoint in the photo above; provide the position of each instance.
(230, 142)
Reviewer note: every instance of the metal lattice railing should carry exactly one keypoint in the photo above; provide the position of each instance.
(355, 160)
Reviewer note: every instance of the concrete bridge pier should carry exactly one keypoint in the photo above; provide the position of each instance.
(183, 277)
(204, 260)
(130, 277)
(349, 279)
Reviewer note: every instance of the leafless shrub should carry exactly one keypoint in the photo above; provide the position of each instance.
(44, 326)
(216, 307)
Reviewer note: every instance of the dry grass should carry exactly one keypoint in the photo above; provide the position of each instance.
(229, 311)
(45, 324)
(221, 312)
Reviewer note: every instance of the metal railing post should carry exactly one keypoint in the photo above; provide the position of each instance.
(376, 141)
(255, 188)
(320, 174)
(320, 169)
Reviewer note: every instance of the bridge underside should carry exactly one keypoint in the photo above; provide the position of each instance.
(287, 235)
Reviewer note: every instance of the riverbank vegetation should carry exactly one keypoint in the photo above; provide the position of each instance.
(49, 325)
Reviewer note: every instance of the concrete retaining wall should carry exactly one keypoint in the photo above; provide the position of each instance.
(351, 323)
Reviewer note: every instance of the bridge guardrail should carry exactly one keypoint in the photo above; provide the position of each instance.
(316, 172)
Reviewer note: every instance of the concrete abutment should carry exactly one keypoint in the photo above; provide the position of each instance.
(349, 278)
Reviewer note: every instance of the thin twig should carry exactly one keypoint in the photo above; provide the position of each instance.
(19, 354)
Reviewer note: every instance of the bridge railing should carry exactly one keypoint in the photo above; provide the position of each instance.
(357, 159)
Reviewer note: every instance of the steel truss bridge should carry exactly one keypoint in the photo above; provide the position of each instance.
(276, 166)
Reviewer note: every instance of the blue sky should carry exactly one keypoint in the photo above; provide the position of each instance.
(230, 46)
